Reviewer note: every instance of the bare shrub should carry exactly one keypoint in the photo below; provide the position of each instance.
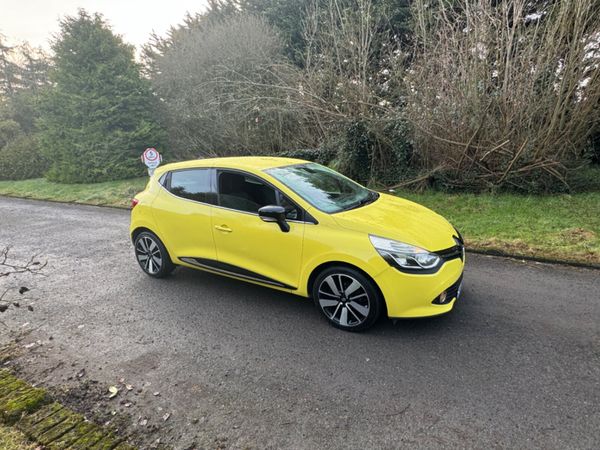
(500, 95)
(350, 85)
(226, 88)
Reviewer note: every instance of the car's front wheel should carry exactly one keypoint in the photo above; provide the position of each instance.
(152, 255)
(348, 299)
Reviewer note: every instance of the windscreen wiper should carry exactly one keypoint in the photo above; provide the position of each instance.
(365, 201)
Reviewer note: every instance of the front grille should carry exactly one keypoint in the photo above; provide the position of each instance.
(451, 292)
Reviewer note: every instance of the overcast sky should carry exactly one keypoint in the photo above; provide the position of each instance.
(36, 20)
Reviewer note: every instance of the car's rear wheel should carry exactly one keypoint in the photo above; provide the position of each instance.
(348, 299)
(152, 255)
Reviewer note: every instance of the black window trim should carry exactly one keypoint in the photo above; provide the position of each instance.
(306, 217)
(163, 178)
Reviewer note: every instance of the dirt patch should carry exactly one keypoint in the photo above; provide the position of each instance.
(518, 248)
(87, 398)
(515, 246)
(577, 235)
(9, 352)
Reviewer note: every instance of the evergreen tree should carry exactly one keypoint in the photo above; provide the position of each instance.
(98, 117)
(23, 76)
(8, 70)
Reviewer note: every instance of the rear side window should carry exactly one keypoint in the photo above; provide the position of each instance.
(193, 184)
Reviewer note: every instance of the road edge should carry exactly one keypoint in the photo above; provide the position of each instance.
(556, 262)
(489, 252)
(65, 202)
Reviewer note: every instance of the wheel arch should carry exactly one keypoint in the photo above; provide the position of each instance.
(320, 268)
(138, 230)
(135, 233)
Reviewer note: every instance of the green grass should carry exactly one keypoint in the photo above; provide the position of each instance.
(561, 227)
(111, 193)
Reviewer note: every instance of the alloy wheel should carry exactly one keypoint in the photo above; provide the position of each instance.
(344, 300)
(148, 254)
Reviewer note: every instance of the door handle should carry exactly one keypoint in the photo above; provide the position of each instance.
(223, 228)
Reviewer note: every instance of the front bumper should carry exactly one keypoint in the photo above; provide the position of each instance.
(415, 295)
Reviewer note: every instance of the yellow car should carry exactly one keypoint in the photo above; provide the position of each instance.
(302, 228)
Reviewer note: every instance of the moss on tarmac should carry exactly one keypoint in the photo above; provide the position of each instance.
(38, 421)
(13, 439)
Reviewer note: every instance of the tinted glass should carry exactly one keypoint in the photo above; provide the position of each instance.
(193, 184)
(323, 188)
(247, 193)
(292, 212)
(163, 179)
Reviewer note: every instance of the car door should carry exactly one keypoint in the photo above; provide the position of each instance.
(183, 212)
(246, 245)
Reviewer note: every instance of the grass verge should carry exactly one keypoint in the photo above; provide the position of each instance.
(555, 227)
(111, 193)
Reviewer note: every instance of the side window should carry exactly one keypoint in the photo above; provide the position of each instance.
(193, 184)
(292, 212)
(163, 179)
(247, 193)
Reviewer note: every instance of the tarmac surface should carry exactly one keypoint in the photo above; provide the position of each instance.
(234, 365)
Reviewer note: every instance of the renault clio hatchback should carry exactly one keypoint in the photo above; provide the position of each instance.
(302, 228)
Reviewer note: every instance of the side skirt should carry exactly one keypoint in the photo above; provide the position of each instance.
(229, 269)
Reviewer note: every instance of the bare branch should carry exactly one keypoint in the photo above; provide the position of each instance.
(522, 91)
(33, 266)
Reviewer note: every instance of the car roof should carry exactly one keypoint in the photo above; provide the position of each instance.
(234, 162)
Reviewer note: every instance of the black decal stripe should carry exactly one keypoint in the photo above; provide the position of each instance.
(230, 269)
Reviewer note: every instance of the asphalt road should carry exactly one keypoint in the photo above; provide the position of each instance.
(517, 364)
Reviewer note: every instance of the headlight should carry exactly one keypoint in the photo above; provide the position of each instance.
(405, 256)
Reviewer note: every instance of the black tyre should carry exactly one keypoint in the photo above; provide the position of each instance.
(348, 299)
(152, 255)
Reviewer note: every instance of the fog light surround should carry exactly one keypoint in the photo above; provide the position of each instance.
(441, 299)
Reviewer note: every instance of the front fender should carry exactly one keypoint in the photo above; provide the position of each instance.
(323, 244)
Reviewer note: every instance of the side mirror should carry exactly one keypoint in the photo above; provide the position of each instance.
(274, 213)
